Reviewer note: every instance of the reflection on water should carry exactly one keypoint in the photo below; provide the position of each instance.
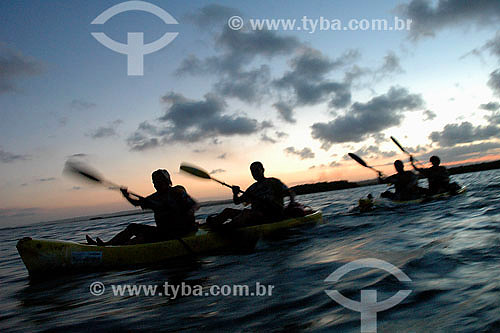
(450, 249)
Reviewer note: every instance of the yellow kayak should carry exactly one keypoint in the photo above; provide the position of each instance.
(45, 256)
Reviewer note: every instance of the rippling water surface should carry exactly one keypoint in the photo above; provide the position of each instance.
(450, 249)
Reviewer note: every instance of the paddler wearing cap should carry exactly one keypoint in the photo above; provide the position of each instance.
(173, 211)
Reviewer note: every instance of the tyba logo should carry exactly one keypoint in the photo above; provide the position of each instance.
(368, 306)
(135, 49)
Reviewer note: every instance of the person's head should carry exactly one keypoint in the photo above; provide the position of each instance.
(435, 160)
(257, 170)
(161, 180)
(399, 166)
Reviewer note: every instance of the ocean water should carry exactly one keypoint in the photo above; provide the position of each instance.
(450, 249)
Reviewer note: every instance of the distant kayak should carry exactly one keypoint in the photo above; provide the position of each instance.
(43, 257)
(366, 204)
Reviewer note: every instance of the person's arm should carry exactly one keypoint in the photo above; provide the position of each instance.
(412, 161)
(135, 202)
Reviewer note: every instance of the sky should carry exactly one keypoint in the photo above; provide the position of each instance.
(221, 96)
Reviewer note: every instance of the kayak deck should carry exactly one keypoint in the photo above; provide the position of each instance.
(44, 256)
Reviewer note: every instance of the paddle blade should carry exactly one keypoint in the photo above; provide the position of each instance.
(195, 171)
(81, 170)
(358, 159)
(397, 144)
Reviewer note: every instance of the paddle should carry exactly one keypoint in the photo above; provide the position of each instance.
(81, 170)
(363, 163)
(402, 149)
(197, 172)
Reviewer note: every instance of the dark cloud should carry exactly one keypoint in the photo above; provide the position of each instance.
(192, 121)
(465, 132)
(307, 79)
(428, 17)
(247, 86)
(105, 131)
(14, 65)
(494, 81)
(8, 157)
(212, 15)
(429, 115)
(213, 172)
(237, 50)
(285, 112)
(491, 106)
(81, 105)
(303, 154)
(362, 119)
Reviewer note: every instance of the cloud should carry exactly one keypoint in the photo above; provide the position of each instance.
(303, 154)
(391, 64)
(490, 106)
(81, 105)
(44, 180)
(281, 134)
(429, 115)
(247, 86)
(212, 14)
(457, 153)
(335, 164)
(8, 157)
(105, 131)
(18, 212)
(307, 79)
(285, 112)
(265, 138)
(78, 155)
(494, 81)
(372, 152)
(428, 17)
(237, 50)
(193, 121)
(453, 134)
(14, 65)
(222, 156)
(213, 172)
(362, 119)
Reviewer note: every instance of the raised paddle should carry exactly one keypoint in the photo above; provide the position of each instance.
(402, 149)
(197, 172)
(363, 163)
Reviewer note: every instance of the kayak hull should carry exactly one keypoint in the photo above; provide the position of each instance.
(42, 257)
(383, 202)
